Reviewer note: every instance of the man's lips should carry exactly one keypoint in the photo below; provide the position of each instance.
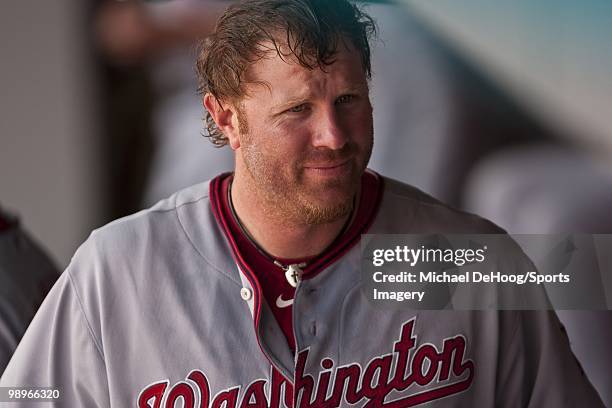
(327, 166)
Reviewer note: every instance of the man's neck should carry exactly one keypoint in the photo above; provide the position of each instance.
(274, 234)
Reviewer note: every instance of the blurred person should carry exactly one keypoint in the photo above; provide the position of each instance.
(132, 31)
(162, 36)
(245, 291)
(26, 275)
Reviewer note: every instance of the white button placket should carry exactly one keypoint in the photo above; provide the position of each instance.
(246, 292)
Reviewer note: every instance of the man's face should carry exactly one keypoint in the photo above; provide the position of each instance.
(306, 137)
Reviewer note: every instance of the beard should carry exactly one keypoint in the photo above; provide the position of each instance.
(289, 193)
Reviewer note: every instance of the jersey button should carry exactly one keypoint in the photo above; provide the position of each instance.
(246, 293)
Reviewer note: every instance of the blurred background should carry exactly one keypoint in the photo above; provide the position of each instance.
(500, 108)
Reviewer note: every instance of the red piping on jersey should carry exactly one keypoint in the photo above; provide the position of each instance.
(353, 235)
(216, 207)
(370, 181)
(257, 293)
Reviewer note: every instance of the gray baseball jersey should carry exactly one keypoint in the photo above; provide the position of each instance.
(153, 311)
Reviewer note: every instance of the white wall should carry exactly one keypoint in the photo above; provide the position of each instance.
(49, 166)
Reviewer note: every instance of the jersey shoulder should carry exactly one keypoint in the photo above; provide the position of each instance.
(176, 234)
(159, 222)
(406, 209)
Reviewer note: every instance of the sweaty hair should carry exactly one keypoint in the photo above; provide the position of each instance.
(307, 31)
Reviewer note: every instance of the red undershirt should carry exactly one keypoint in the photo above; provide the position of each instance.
(4, 223)
(270, 277)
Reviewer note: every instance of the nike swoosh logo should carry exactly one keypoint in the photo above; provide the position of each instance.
(281, 303)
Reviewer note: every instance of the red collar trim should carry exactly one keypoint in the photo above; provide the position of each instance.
(369, 201)
(217, 207)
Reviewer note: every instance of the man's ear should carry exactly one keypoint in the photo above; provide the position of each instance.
(226, 118)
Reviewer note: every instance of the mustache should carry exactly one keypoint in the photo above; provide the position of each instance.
(324, 155)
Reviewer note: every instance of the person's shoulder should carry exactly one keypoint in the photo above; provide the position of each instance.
(144, 234)
(413, 210)
(160, 216)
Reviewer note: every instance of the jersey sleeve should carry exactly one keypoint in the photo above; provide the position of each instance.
(60, 350)
(538, 368)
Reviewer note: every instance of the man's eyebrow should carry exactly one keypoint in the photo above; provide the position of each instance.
(282, 106)
(357, 88)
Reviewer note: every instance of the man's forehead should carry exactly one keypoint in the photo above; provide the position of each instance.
(276, 71)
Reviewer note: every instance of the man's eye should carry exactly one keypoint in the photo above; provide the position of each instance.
(345, 99)
(297, 109)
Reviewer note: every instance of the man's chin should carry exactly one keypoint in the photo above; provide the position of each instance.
(312, 215)
(328, 187)
(326, 207)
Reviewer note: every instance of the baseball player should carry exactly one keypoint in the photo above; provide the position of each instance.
(26, 275)
(245, 291)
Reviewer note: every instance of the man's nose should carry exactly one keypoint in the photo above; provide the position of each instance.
(329, 131)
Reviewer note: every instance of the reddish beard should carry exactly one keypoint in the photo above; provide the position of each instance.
(290, 196)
